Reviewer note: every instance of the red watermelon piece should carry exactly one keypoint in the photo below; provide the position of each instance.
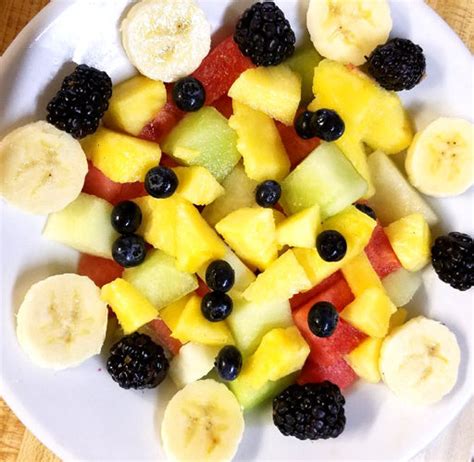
(202, 288)
(339, 373)
(167, 161)
(130, 191)
(224, 106)
(162, 335)
(100, 270)
(97, 184)
(380, 253)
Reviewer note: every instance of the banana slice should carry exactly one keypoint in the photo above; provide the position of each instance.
(440, 160)
(42, 168)
(348, 30)
(166, 39)
(202, 422)
(419, 361)
(62, 321)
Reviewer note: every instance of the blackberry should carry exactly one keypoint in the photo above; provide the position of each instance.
(137, 362)
(398, 65)
(310, 412)
(453, 260)
(81, 102)
(265, 35)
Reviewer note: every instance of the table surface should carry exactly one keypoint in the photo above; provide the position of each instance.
(17, 444)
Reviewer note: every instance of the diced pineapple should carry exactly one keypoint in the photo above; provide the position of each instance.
(401, 286)
(160, 280)
(370, 312)
(360, 274)
(83, 225)
(133, 310)
(204, 138)
(121, 158)
(299, 230)
(171, 314)
(259, 143)
(355, 226)
(275, 91)
(410, 238)
(134, 103)
(364, 359)
(192, 326)
(284, 278)
(250, 232)
(398, 318)
(197, 185)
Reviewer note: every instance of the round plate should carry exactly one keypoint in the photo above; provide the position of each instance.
(81, 413)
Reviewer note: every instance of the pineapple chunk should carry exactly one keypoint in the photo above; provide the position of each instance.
(121, 158)
(370, 312)
(410, 238)
(284, 278)
(364, 359)
(250, 232)
(300, 229)
(197, 185)
(192, 326)
(275, 91)
(259, 143)
(360, 274)
(83, 225)
(171, 314)
(159, 280)
(133, 310)
(398, 318)
(134, 103)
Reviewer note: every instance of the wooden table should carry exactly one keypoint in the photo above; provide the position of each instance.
(17, 444)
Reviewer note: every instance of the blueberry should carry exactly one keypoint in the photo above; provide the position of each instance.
(220, 276)
(161, 182)
(367, 210)
(216, 306)
(189, 94)
(228, 363)
(331, 245)
(129, 250)
(126, 217)
(268, 193)
(304, 126)
(327, 125)
(322, 319)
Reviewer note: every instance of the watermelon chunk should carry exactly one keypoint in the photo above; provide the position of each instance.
(100, 270)
(160, 333)
(202, 288)
(339, 373)
(224, 106)
(381, 254)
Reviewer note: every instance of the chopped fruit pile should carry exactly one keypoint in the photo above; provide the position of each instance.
(243, 220)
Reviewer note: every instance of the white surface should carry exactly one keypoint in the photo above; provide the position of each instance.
(81, 413)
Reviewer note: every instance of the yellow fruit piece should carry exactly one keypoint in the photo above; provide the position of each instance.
(197, 185)
(132, 309)
(250, 232)
(280, 353)
(300, 229)
(410, 238)
(172, 313)
(360, 274)
(398, 318)
(370, 312)
(134, 103)
(355, 226)
(275, 91)
(284, 278)
(196, 242)
(192, 326)
(364, 359)
(259, 143)
(121, 158)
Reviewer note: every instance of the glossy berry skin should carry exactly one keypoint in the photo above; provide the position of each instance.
(220, 276)
(129, 250)
(322, 319)
(228, 363)
(268, 193)
(189, 94)
(331, 245)
(304, 125)
(369, 211)
(216, 306)
(161, 182)
(327, 125)
(126, 217)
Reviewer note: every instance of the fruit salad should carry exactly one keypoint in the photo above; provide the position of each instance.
(243, 230)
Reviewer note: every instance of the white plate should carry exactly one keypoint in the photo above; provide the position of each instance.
(81, 413)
